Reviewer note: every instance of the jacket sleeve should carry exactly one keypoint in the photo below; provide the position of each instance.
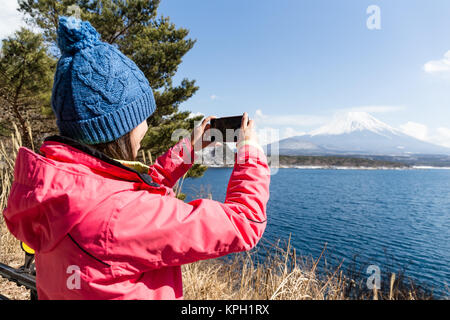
(173, 164)
(157, 231)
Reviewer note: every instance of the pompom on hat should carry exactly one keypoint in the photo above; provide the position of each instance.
(98, 93)
(74, 35)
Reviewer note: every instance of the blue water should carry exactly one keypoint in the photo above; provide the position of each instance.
(396, 219)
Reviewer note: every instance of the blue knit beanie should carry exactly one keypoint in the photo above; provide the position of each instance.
(98, 94)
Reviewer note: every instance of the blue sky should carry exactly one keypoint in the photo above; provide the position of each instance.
(293, 64)
(299, 62)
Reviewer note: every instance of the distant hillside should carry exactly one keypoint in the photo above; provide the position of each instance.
(224, 157)
(411, 160)
(336, 161)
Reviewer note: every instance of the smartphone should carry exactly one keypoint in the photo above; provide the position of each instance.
(222, 124)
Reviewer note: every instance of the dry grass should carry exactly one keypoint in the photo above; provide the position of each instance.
(281, 275)
(10, 252)
(9, 245)
(284, 276)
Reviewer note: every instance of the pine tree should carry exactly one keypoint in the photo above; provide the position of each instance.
(155, 44)
(25, 84)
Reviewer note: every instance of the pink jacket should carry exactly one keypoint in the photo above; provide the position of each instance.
(104, 231)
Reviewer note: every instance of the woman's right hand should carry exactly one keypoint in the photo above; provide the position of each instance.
(247, 132)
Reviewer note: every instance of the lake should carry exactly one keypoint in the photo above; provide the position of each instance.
(395, 219)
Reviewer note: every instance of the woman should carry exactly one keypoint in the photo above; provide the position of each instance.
(105, 230)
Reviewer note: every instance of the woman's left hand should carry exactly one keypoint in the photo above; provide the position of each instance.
(198, 134)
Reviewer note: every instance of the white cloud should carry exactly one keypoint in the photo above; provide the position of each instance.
(259, 114)
(443, 136)
(10, 19)
(267, 135)
(291, 132)
(195, 114)
(439, 136)
(438, 66)
(274, 127)
(377, 109)
(292, 120)
(417, 130)
(444, 132)
(213, 97)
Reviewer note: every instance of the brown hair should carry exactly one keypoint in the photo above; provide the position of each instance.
(119, 149)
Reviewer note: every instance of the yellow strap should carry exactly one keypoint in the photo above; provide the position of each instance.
(135, 165)
(26, 248)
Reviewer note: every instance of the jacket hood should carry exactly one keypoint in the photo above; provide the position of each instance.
(53, 192)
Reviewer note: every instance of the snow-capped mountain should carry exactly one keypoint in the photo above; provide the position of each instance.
(354, 121)
(357, 133)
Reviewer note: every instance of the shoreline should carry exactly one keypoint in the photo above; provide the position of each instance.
(362, 168)
(346, 168)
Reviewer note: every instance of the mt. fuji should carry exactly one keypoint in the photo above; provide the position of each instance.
(357, 133)
(354, 121)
